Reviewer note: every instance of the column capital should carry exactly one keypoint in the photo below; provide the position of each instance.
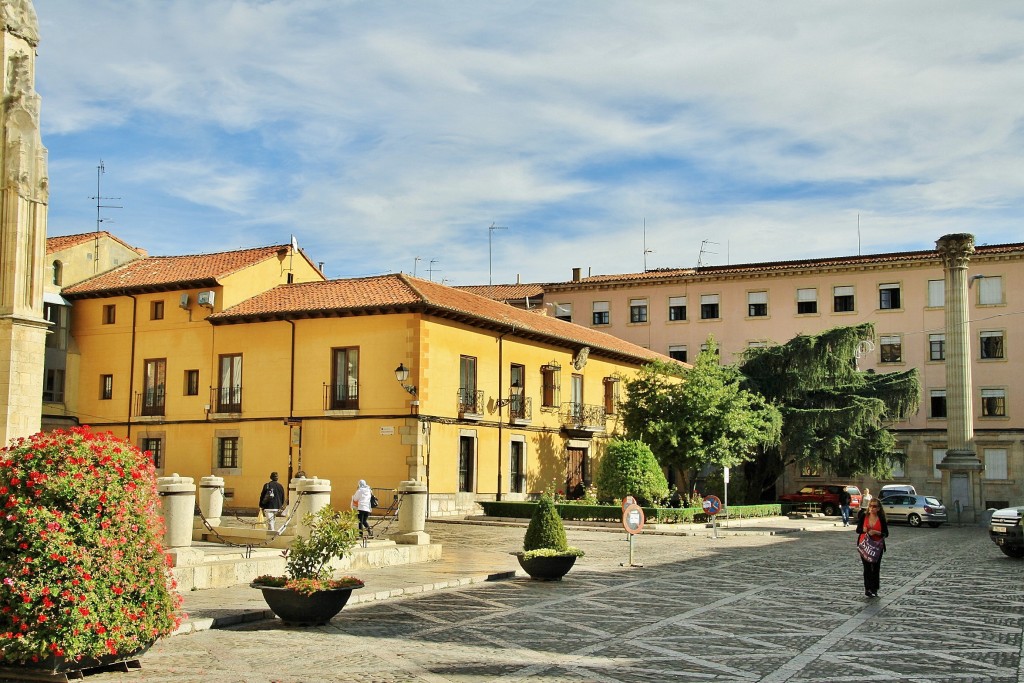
(955, 250)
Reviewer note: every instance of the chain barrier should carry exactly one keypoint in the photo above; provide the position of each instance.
(249, 547)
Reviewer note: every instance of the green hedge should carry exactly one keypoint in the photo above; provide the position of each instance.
(613, 513)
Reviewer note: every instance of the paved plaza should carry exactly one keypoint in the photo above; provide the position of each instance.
(751, 605)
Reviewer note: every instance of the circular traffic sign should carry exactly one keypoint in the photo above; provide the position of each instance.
(712, 505)
(633, 519)
(627, 501)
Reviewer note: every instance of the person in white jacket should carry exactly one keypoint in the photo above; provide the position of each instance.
(361, 504)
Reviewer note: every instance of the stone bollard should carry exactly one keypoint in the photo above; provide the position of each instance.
(313, 494)
(178, 501)
(412, 514)
(211, 505)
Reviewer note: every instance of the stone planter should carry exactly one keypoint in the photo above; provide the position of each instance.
(54, 668)
(551, 568)
(297, 609)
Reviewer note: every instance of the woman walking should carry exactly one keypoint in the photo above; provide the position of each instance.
(361, 504)
(872, 530)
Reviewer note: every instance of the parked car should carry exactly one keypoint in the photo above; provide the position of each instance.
(914, 510)
(1006, 531)
(825, 495)
(893, 489)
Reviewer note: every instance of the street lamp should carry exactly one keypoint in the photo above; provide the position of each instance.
(402, 374)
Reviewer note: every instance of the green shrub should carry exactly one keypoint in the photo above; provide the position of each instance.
(629, 468)
(546, 529)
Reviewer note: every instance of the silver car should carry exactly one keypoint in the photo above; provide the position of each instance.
(914, 509)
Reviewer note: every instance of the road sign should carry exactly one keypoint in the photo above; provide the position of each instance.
(627, 501)
(712, 505)
(633, 519)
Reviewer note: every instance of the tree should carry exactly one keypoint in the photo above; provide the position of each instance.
(835, 417)
(692, 418)
(630, 468)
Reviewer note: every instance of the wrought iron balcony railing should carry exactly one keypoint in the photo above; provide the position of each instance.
(226, 399)
(150, 402)
(583, 416)
(341, 397)
(520, 408)
(471, 403)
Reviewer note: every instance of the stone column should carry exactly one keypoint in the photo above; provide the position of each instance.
(178, 501)
(211, 503)
(412, 514)
(313, 494)
(961, 481)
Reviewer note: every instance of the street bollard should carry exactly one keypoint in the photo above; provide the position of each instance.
(178, 502)
(412, 514)
(313, 494)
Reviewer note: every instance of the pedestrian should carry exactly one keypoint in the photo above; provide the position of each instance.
(844, 505)
(872, 530)
(271, 499)
(865, 499)
(361, 504)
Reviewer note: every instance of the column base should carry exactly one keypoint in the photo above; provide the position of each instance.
(412, 538)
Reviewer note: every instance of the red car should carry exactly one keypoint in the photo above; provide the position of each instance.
(825, 495)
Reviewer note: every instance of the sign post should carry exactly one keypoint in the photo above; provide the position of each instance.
(725, 476)
(633, 522)
(712, 506)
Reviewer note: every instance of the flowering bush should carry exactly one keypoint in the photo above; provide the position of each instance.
(81, 559)
(332, 534)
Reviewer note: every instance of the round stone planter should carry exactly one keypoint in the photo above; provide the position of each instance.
(54, 668)
(551, 568)
(297, 609)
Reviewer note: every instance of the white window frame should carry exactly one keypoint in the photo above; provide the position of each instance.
(936, 293)
(940, 339)
(889, 286)
(932, 395)
(806, 295)
(676, 302)
(711, 300)
(993, 393)
(757, 299)
(890, 340)
(601, 307)
(990, 290)
(638, 311)
(988, 334)
(562, 311)
(844, 291)
(677, 348)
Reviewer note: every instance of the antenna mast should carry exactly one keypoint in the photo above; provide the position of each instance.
(646, 250)
(700, 257)
(100, 170)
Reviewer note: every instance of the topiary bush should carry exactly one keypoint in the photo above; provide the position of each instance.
(629, 468)
(546, 534)
(81, 554)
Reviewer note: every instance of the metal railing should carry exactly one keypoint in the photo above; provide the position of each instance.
(582, 416)
(341, 397)
(226, 399)
(520, 408)
(150, 402)
(471, 402)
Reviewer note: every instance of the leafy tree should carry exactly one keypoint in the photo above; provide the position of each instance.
(630, 468)
(835, 417)
(696, 417)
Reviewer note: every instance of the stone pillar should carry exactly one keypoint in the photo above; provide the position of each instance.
(313, 494)
(961, 480)
(412, 514)
(178, 501)
(211, 501)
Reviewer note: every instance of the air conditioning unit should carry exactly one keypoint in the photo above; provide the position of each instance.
(206, 299)
(184, 301)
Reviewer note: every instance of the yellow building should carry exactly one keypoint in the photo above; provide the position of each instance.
(386, 379)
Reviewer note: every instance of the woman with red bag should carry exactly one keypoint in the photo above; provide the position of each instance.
(872, 530)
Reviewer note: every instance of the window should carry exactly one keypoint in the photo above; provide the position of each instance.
(993, 403)
(757, 304)
(109, 314)
(990, 291)
(638, 310)
(57, 316)
(677, 308)
(156, 310)
(53, 385)
(677, 352)
(992, 344)
(227, 452)
(551, 379)
(937, 346)
(892, 348)
(563, 312)
(576, 386)
(704, 347)
(517, 467)
(760, 344)
(842, 300)
(995, 463)
(602, 315)
(155, 447)
(806, 301)
(938, 455)
(154, 386)
(467, 447)
(229, 393)
(937, 404)
(889, 296)
(708, 306)
(611, 395)
(58, 273)
(345, 379)
(467, 386)
(106, 387)
(191, 382)
(936, 293)
(896, 464)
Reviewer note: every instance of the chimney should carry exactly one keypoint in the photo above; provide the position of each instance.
(517, 279)
(575, 274)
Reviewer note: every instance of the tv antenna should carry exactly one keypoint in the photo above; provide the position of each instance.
(431, 270)
(100, 170)
(704, 250)
(646, 250)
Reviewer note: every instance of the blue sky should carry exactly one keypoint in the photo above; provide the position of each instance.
(379, 132)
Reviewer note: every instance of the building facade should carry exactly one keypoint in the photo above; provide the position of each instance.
(675, 312)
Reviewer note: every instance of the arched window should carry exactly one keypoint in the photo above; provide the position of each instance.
(58, 272)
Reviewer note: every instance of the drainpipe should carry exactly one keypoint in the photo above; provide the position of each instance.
(131, 368)
(291, 405)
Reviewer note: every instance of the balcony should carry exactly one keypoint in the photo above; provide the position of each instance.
(582, 417)
(520, 409)
(226, 399)
(471, 404)
(341, 397)
(150, 403)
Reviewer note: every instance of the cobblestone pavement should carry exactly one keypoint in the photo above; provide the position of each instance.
(747, 606)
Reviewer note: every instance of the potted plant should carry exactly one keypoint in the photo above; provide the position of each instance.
(546, 553)
(307, 595)
(85, 582)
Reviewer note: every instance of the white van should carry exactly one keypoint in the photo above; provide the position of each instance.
(890, 489)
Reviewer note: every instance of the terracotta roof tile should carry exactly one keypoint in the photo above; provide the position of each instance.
(168, 272)
(399, 292)
(61, 242)
(515, 292)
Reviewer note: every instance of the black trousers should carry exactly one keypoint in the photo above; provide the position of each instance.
(872, 570)
(364, 517)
